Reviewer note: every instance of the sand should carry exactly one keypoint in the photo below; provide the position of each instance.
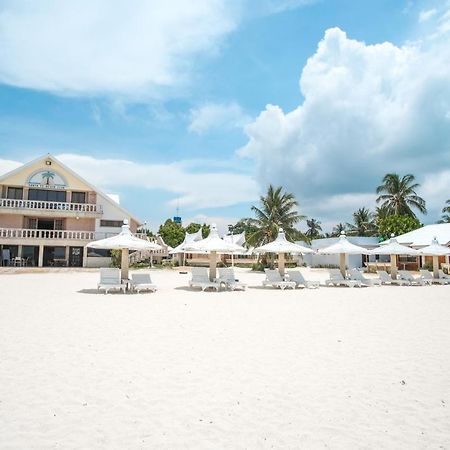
(334, 368)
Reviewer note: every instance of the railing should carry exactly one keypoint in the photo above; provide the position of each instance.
(58, 206)
(24, 233)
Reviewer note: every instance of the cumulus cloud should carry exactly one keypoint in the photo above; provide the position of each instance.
(214, 116)
(192, 188)
(108, 46)
(367, 110)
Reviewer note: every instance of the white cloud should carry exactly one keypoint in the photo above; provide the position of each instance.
(278, 6)
(426, 15)
(7, 165)
(367, 110)
(93, 47)
(192, 189)
(211, 116)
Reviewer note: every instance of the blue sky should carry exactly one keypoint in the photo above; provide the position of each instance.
(165, 103)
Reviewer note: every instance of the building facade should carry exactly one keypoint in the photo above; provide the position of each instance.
(48, 214)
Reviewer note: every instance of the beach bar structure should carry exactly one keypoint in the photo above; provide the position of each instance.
(48, 214)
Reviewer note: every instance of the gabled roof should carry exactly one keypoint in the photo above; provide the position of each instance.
(423, 236)
(74, 174)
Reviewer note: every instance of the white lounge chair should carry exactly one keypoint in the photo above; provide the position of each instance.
(443, 275)
(336, 279)
(299, 279)
(227, 277)
(274, 279)
(428, 276)
(110, 279)
(142, 282)
(387, 279)
(405, 275)
(355, 274)
(201, 279)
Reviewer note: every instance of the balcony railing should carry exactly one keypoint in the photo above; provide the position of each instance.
(56, 206)
(25, 233)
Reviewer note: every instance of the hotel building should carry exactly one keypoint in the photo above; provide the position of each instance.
(48, 214)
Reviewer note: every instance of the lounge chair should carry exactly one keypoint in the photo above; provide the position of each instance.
(110, 279)
(405, 275)
(336, 279)
(428, 276)
(142, 282)
(201, 279)
(299, 279)
(355, 274)
(443, 275)
(274, 279)
(387, 279)
(227, 277)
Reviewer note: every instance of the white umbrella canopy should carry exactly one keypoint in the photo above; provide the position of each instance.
(124, 241)
(393, 249)
(213, 244)
(435, 250)
(189, 238)
(281, 246)
(343, 247)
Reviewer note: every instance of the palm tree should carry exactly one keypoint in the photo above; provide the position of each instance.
(399, 196)
(314, 229)
(338, 229)
(445, 218)
(277, 210)
(363, 224)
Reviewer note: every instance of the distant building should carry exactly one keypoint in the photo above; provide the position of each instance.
(352, 261)
(48, 214)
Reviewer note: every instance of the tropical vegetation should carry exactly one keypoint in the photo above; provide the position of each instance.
(277, 209)
(398, 195)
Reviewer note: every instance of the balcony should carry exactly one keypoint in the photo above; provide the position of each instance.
(50, 209)
(20, 234)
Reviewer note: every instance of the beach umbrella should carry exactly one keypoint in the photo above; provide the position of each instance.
(281, 246)
(189, 238)
(393, 249)
(435, 250)
(342, 248)
(212, 245)
(238, 239)
(124, 241)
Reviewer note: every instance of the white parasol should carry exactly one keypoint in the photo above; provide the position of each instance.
(281, 246)
(342, 248)
(124, 241)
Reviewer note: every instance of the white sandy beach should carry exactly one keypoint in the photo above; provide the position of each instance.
(333, 368)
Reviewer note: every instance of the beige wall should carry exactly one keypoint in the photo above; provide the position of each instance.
(82, 224)
(20, 178)
(11, 221)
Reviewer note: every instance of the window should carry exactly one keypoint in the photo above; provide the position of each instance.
(46, 195)
(78, 197)
(98, 253)
(15, 193)
(111, 223)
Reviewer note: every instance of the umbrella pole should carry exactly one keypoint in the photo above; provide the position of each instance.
(436, 266)
(212, 265)
(342, 264)
(394, 267)
(125, 263)
(281, 263)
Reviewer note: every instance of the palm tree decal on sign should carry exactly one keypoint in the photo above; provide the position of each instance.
(46, 176)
